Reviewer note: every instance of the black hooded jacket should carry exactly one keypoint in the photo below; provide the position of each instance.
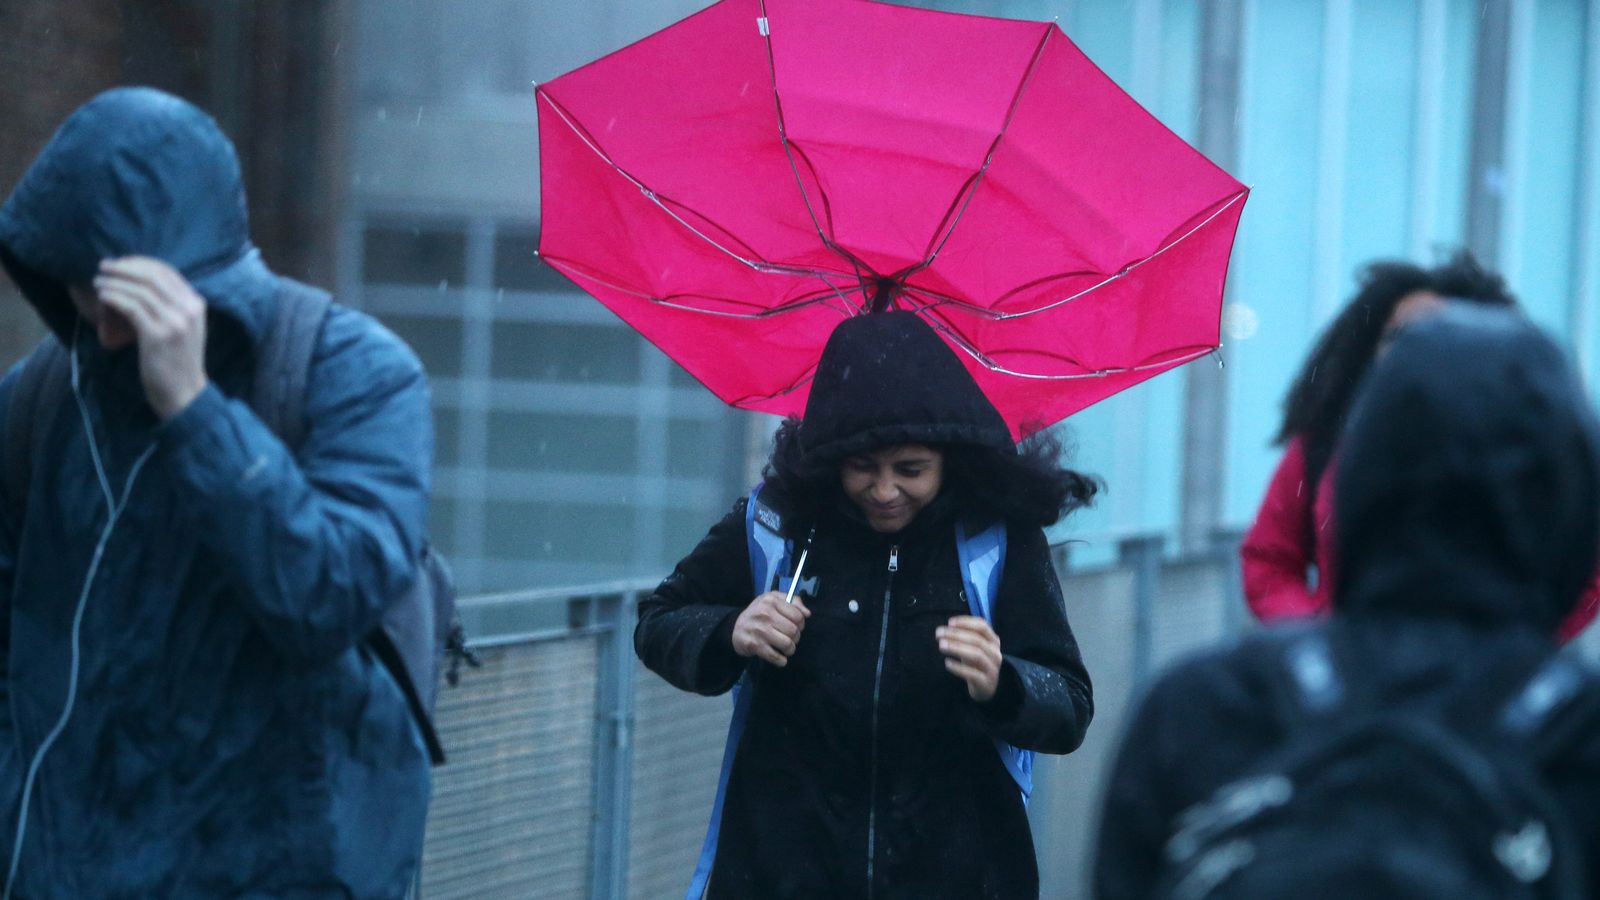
(1468, 514)
(841, 772)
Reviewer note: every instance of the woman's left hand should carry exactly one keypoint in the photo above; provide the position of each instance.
(972, 653)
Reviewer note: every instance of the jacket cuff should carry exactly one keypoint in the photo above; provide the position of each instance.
(719, 664)
(204, 409)
(1003, 707)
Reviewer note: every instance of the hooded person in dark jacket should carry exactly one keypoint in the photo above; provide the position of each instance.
(1466, 500)
(868, 767)
(187, 709)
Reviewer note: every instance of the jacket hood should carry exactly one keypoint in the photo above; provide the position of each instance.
(887, 378)
(1469, 477)
(135, 171)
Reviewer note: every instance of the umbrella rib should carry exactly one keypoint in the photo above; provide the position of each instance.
(789, 152)
(757, 263)
(966, 346)
(811, 299)
(783, 392)
(1126, 270)
(958, 206)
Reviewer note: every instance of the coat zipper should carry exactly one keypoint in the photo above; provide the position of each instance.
(877, 688)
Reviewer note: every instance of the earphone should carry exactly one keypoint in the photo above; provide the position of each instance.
(114, 509)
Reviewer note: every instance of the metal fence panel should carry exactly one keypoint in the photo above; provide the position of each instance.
(677, 754)
(1190, 604)
(512, 807)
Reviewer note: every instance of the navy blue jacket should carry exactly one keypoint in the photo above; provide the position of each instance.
(230, 737)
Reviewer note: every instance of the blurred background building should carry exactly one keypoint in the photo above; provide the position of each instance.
(391, 152)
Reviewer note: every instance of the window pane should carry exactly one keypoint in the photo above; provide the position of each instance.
(559, 532)
(415, 255)
(446, 435)
(518, 268)
(437, 342)
(562, 443)
(696, 449)
(442, 523)
(605, 354)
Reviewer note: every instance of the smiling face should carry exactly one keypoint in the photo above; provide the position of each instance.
(892, 485)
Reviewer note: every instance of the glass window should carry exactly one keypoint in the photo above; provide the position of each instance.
(606, 354)
(562, 443)
(517, 266)
(415, 255)
(437, 342)
(559, 532)
(696, 449)
(446, 435)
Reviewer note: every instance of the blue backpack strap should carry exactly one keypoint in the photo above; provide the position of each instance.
(769, 555)
(983, 560)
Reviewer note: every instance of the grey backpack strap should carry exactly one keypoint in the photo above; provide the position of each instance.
(283, 362)
(40, 389)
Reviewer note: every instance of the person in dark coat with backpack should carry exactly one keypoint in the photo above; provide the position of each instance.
(1468, 487)
(881, 712)
(188, 709)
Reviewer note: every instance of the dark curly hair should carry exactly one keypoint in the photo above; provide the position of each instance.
(1028, 488)
(1319, 400)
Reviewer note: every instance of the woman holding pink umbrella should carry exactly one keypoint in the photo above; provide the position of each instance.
(886, 720)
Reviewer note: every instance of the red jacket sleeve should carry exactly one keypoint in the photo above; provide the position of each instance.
(1281, 544)
(1583, 613)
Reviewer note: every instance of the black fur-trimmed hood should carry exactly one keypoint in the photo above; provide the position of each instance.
(887, 379)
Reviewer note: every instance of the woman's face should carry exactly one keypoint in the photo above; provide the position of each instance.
(892, 485)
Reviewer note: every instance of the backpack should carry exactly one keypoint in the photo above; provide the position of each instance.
(982, 557)
(419, 629)
(1362, 802)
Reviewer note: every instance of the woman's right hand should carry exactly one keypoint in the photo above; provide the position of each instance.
(770, 628)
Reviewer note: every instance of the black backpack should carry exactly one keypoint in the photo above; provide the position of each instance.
(1362, 802)
(419, 630)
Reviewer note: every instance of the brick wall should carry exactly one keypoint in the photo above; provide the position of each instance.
(265, 68)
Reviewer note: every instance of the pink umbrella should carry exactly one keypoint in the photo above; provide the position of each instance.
(735, 185)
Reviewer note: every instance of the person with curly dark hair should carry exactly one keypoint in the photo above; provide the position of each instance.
(1287, 555)
(888, 727)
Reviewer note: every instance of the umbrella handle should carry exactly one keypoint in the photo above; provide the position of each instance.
(794, 580)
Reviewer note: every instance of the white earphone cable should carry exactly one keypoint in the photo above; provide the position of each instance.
(114, 512)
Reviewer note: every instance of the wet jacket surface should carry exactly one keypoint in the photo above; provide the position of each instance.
(811, 788)
(230, 737)
(1468, 490)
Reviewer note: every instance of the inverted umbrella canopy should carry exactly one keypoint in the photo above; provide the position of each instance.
(735, 185)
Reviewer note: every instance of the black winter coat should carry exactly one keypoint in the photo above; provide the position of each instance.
(1468, 484)
(865, 770)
